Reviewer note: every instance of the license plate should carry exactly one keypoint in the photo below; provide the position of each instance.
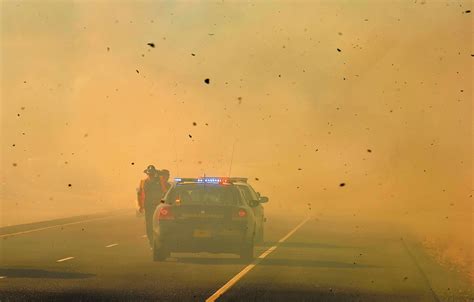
(201, 234)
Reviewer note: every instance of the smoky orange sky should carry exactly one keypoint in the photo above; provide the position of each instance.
(301, 91)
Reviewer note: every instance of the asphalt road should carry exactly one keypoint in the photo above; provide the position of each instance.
(107, 258)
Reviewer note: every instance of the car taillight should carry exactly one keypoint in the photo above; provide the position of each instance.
(240, 215)
(164, 213)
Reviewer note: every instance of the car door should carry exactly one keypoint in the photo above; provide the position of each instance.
(258, 210)
(249, 194)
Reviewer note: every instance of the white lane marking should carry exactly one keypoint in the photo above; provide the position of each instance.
(65, 259)
(3, 277)
(112, 245)
(55, 226)
(249, 267)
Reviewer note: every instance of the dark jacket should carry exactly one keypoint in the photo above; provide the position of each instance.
(151, 191)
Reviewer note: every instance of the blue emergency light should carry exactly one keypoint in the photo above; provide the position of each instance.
(212, 180)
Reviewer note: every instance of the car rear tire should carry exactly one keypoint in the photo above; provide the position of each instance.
(160, 252)
(259, 236)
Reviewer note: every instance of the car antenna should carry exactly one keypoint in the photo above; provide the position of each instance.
(175, 154)
(231, 158)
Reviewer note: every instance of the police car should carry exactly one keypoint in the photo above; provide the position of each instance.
(258, 211)
(209, 214)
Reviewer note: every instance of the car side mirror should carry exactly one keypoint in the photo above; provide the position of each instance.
(263, 199)
(254, 203)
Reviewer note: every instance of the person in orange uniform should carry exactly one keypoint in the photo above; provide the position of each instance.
(149, 195)
(164, 179)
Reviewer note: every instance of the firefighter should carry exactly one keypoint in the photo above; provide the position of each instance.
(164, 179)
(150, 192)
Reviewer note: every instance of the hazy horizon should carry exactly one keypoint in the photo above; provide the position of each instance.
(374, 95)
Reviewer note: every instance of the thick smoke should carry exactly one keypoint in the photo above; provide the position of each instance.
(338, 108)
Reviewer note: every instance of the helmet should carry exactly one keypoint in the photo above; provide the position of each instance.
(150, 170)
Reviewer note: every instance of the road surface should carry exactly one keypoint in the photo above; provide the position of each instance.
(106, 258)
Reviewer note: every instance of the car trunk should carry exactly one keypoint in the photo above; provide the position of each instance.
(207, 221)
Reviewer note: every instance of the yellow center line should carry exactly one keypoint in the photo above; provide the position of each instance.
(249, 267)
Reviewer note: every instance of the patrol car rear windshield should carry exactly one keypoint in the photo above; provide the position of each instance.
(209, 194)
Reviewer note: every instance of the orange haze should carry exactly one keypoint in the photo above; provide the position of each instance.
(85, 101)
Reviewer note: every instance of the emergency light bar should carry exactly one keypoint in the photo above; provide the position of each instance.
(209, 180)
(212, 180)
